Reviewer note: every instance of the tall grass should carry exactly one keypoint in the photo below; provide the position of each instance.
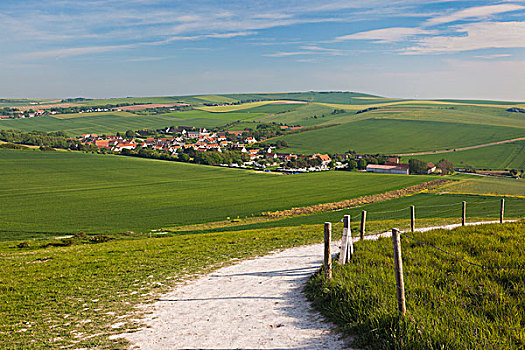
(458, 301)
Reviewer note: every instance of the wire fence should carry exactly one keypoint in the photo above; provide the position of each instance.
(462, 294)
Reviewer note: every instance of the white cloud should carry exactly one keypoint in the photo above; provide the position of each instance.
(474, 12)
(474, 36)
(386, 35)
(489, 57)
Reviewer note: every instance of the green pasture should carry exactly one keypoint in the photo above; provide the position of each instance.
(111, 122)
(274, 108)
(488, 185)
(77, 296)
(216, 98)
(431, 209)
(66, 192)
(382, 135)
(450, 303)
(504, 156)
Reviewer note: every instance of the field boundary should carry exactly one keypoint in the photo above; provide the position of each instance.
(462, 148)
(348, 203)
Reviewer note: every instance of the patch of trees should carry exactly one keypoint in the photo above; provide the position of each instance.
(516, 110)
(56, 139)
(366, 110)
(163, 110)
(191, 156)
(263, 131)
(300, 163)
(76, 99)
(445, 166)
(338, 111)
(417, 167)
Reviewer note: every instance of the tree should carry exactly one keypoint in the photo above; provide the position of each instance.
(361, 164)
(352, 164)
(130, 134)
(417, 166)
(446, 166)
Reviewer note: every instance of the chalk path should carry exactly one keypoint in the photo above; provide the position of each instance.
(255, 304)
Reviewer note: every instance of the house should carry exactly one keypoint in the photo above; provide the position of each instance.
(325, 158)
(102, 143)
(250, 139)
(193, 134)
(393, 160)
(388, 169)
(430, 168)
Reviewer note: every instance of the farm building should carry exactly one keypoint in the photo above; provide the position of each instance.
(388, 169)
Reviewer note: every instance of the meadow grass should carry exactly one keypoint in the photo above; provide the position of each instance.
(239, 107)
(112, 122)
(431, 209)
(77, 296)
(57, 193)
(450, 303)
(504, 156)
(495, 186)
(382, 135)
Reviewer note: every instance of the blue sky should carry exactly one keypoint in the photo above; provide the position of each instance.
(412, 49)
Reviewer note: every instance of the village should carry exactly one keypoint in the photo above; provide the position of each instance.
(190, 143)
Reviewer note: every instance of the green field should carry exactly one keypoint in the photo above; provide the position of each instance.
(488, 185)
(111, 122)
(64, 192)
(450, 303)
(382, 135)
(504, 156)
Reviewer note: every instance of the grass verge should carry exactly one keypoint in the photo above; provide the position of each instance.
(450, 304)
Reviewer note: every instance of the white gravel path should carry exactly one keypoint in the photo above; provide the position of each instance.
(255, 304)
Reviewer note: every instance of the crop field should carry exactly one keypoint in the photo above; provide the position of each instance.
(464, 290)
(69, 192)
(111, 122)
(240, 107)
(382, 135)
(216, 99)
(486, 185)
(504, 156)
(431, 208)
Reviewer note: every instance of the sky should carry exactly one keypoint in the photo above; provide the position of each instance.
(394, 48)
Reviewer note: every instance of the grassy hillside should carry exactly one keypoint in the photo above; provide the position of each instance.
(61, 192)
(451, 303)
(111, 122)
(505, 156)
(488, 186)
(77, 296)
(382, 135)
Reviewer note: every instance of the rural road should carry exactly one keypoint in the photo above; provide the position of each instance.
(462, 148)
(255, 304)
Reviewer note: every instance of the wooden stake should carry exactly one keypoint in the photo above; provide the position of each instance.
(464, 214)
(363, 224)
(412, 218)
(502, 210)
(347, 246)
(327, 250)
(398, 262)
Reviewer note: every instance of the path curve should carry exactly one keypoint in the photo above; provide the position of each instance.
(255, 304)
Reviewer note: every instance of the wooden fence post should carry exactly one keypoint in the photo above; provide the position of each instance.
(327, 250)
(502, 210)
(347, 246)
(412, 218)
(363, 224)
(464, 214)
(398, 262)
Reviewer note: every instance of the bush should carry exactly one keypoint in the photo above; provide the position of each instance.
(22, 245)
(100, 238)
